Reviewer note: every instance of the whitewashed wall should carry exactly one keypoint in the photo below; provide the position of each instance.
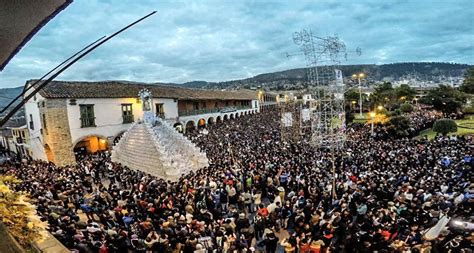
(36, 144)
(108, 116)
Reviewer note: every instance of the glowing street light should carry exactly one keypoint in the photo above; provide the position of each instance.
(353, 102)
(372, 117)
(380, 108)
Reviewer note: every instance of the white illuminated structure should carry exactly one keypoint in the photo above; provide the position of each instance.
(155, 147)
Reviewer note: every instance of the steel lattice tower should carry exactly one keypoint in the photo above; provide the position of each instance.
(326, 86)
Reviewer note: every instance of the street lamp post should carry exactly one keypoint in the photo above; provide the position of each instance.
(359, 77)
(372, 117)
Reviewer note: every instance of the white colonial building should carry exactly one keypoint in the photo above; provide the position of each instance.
(68, 117)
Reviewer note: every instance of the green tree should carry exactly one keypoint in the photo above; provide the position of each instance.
(398, 126)
(468, 84)
(405, 107)
(445, 126)
(405, 93)
(445, 98)
(383, 94)
(351, 95)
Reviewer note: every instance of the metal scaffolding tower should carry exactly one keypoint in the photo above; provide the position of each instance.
(326, 87)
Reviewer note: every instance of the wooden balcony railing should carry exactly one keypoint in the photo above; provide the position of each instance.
(88, 122)
(128, 119)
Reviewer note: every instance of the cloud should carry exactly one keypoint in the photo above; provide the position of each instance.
(225, 40)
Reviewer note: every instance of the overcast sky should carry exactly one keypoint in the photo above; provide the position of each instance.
(225, 40)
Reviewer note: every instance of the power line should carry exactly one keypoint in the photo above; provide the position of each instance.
(51, 78)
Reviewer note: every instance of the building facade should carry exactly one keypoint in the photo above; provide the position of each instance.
(21, 141)
(14, 137)
(66, 118)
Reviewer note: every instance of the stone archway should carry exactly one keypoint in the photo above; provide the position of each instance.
(190, 126)
(231, 116)
(210, 121)
(90, 144)
(226, 117)
(201, 123)
(218, 120)
(49, 153)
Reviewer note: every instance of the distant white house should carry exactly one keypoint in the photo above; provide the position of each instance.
(307, 98)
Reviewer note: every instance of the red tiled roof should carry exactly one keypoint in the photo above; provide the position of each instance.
(124, 89)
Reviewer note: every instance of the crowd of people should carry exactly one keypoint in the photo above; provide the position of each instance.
(260, 194)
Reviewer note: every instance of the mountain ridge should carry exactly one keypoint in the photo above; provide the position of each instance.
(428, 71)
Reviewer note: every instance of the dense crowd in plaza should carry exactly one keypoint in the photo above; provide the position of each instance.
(260, 194)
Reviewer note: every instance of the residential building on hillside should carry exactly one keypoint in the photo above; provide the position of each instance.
(14, 137)
(21, 141)
(67, 117)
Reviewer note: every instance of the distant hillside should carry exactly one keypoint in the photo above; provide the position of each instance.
(426, 71)
(8, 94)
(435, 72)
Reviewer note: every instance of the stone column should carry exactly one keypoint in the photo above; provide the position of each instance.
(57, 133)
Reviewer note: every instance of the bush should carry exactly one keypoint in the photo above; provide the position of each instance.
(445, 126)
(396, 112)
(406, 108)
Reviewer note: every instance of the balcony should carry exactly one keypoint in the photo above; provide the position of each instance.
(213, 110)
(127, 119)
(161, 115)
(88, 122)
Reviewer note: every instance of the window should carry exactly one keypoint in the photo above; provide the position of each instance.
(127, 113)
(195, 105)
(160, 111)
(87, 115)
(44, 124)
(32, 126)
